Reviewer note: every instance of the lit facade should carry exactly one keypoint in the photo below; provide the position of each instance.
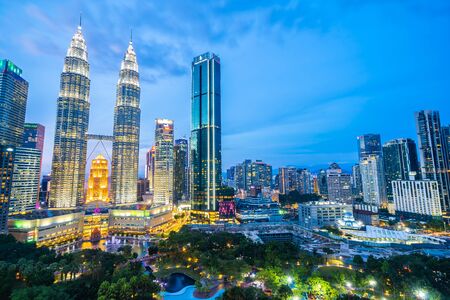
(180, 170)
(416, 198)
(287, 177)
(433, 153)
(97, 189)
(127, 115)
(52, 229)
(321, 213)
(13, 101)
(373, 181)
(163, 193)
(369, 144)
(205, 143)
(138, 220)
(72, 121)
(339, 185)
(400, 162)
(150, 169)
(25, 183)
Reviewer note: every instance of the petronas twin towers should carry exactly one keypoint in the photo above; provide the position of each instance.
(70, 145)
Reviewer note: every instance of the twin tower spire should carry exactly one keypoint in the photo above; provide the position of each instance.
(70, 144)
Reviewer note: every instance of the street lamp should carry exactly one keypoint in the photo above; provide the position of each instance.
(348, 285)
(421, 294)
(372, 283)
(289, 279)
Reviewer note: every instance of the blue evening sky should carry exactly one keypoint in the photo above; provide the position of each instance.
(300, 79)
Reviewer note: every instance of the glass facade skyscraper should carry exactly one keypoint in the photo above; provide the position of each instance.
(163, 193)
(433, 153)
(150, 169)
(400, 162)
(27, 170)
(180, 170)
(13, 102)
(25, 185)
(373, 180)
(205, 144)
(72, 121)
(369, 144)
(127, 118)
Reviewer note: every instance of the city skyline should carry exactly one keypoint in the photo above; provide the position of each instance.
(323, 114)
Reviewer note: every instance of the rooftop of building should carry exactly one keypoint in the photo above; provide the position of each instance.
(44, 214)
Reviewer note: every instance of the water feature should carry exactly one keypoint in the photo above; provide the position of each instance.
(177, 281)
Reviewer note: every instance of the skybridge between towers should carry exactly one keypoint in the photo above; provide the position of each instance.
(100, 138)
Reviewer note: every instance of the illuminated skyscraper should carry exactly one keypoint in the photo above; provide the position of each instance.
(205, 144)
(127, 115)
(373, 181)
(434, 159)
(163, 193)
(72, 121)
(338, 185)
(97, 189)
(13, 101)
(400, 162)
(150, 169)
(369, 144)
(180, 173)
(27, 170)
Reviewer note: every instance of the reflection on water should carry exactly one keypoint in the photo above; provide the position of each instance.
(112, 245)
(177, 281)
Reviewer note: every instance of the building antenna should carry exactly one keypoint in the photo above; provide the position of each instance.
(80, 19)
(131, 35)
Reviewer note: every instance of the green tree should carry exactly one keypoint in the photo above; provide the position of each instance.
(284, 292)
(321, 288)
(39, 293)
(358, 260)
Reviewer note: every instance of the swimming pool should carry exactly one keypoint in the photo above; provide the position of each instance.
(187, 293)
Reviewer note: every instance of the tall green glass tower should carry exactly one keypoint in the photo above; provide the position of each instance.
(127, 114)
(13, 102)
(205, 144)
(72, 121)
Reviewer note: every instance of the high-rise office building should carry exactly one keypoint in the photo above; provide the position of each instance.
(446, 137)
(25, 185)
(127, 115)
(243, 175)
(142, 188)
(205, 143)
(27, 170)
(288, 179)
(400, 162)
(33, 136)
(305, 184)
(72, 121)
(416, 198)
(339, 185)
(150, 169)
(163, 193)
(322, 182)
(13, 101)
(97, 189)
(373, 180)
(230, 177)
(433, 153)
(356, 181)
(180, 170)
(260, 175)
(369, 144)
(44, 191)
